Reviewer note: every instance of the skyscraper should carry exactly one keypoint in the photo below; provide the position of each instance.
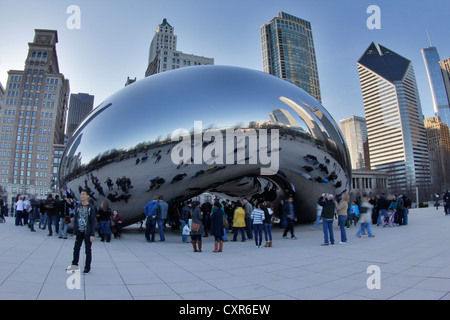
(288, 52)
(163, 54)
(395, 129)
(33, 119)
(354, 131)
(445, 69)
(437, 86)
(79, 107)
(438, 139)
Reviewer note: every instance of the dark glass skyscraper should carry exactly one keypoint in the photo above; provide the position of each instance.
(437, 85)
(288, 52)
(79, 107)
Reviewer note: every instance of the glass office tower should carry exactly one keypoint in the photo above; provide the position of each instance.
(288, 52)
(79, 107)
(437, 86)
(355, 134)
(395, 129)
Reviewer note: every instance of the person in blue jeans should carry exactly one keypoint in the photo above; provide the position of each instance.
(105, 214)
(328, 204)
(268, 223)
(257, 217)
(319, 217)
(51, 212)
(383, 205)
(289, 217)
(150, 224)
(366, 217)
(161, 216)
(184, 218)
(341, 209)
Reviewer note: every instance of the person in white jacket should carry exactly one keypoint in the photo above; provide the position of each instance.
(365, 212)
(19, 210)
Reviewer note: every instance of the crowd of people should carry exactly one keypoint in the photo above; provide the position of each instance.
(216, 218)
(379, 210)
(445, 201)
(197, 220)
(63, 215)
(57, 215)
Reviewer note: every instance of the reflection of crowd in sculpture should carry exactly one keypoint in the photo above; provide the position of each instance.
(322, 167)
(123, 184)
(155, 183)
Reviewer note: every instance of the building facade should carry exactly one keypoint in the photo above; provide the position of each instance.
(437, 86)
(79, 107)
(438, 139)
(369, 182)
(355, 134)
(395, 129)
(445, 69)
(33, 119)
(163, 54)
(2, 96)
(288, 52)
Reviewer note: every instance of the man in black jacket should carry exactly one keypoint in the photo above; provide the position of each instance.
(50, 206)
(83, 230)
(383, 205)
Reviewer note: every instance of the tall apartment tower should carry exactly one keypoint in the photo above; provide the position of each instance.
(441, 103)
(288, 52)
(445, 69)
(354, 131)
(33, 120)
(438, 139)
(79, 107)
(395, 129)
(163, 54)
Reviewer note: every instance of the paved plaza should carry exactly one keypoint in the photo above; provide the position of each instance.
(411, 262)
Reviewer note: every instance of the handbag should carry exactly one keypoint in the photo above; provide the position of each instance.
(195, 227)
(225, 222)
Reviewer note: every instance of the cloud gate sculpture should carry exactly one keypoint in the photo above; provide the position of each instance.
(229, 131)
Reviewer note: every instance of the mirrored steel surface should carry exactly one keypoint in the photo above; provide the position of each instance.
(123, 151)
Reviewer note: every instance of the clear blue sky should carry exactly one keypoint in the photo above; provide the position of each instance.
(115, 36)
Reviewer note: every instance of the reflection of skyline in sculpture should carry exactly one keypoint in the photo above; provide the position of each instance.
(130, 137)
(283, 116)
(307, 117)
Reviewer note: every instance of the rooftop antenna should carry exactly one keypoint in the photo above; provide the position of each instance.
(429, 39)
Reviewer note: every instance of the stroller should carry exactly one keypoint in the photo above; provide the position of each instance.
(389, 220)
